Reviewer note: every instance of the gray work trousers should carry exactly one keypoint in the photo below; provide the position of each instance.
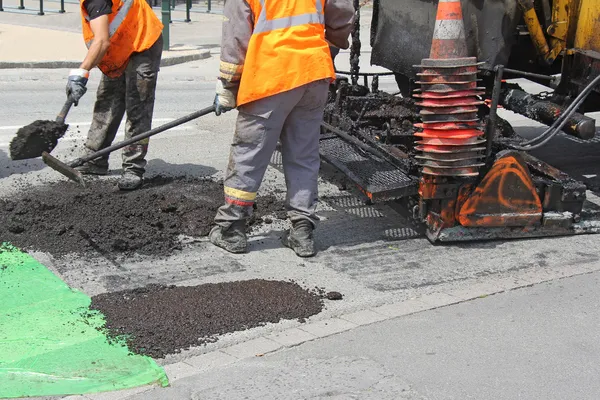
(293, 118)
(134, 93)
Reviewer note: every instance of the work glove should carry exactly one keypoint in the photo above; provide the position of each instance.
(76, 84)
(333, 51)
(224, 99)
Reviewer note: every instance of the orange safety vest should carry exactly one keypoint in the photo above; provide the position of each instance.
(287, 48)
(133, 28)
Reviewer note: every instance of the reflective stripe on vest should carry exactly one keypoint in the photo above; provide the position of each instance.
(264, 25)
(117, 21)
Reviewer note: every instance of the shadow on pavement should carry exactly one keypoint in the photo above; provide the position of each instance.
(352, 221)
(9, 167)
(578, 158)
(161, 167)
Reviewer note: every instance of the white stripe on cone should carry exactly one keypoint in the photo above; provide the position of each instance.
(449, 29)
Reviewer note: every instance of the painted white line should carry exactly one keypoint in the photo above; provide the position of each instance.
(592, 198)
(16, 127)
(590, 176)
(118, 138)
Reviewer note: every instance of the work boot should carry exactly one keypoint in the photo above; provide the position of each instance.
(300, 238)
(130, 180)
(232, 239)
(93, 168)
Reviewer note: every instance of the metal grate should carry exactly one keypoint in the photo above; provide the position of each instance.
(382, 180)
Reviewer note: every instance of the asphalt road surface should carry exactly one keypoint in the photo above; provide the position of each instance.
(369, 253)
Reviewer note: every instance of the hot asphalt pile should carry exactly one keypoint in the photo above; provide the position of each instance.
(63, 218)
(160, 320)
(33, 139)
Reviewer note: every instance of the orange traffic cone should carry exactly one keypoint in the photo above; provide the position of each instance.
(449, 40)
(450, 143)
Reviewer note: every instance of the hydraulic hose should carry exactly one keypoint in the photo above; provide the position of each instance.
(560, 122)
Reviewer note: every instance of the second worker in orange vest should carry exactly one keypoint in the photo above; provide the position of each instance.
(276, 68)
(124, 40)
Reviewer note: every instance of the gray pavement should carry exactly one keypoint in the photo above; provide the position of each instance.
(540, 342)
(369, 253)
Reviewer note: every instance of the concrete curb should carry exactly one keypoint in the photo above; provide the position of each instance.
(292, 337)
(165, 62)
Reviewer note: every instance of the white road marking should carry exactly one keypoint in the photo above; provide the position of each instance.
(71, 136)
(592, 198)
(16, 127)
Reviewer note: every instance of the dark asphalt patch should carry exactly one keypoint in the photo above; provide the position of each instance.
(159, 320)
(31, 140)
(63, 218)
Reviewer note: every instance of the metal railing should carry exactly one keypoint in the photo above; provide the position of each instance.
(166, 7)
(170, 5)
(40, 10)
(190, 6)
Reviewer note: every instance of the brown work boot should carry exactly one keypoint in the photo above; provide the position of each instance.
(93, 168)
(232, 239)
(300, 238)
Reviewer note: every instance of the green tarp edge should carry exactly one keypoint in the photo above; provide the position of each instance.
(51, 343)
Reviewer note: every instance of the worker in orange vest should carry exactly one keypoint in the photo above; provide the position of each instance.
(124, 40)
(276, 68)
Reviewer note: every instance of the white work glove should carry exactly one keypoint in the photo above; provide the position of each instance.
(76, 84)
(225, 99)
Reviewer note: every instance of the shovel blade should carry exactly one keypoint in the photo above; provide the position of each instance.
(63, 168)
(35, 138)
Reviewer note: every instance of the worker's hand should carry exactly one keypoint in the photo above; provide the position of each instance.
(76, 84)
(225, 99)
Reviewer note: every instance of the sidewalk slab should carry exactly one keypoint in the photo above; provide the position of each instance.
(253, 348)
(211, 360)
(120, 394)
(20, 47)
(291, 337)
(364, 317)
(328, 327)
(179, 370)
(401, 309)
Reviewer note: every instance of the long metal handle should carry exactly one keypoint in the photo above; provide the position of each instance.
(82, 160)
(65, 110)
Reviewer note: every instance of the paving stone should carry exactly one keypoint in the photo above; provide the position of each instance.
(510, 283)
(120, 394)
(292, 337)
(179, 370)
(364, 317)
(571, 270)
(475, 290)
(328, 327)
(210, 360)
(439, 299)
(252, 348)
(399, 309)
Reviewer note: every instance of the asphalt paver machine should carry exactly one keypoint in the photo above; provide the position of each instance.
(438, 146)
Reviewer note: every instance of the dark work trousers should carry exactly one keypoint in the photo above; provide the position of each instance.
(294, 118)
(134, 93)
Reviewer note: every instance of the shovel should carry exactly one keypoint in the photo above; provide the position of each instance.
(39, 136)
(68, 169)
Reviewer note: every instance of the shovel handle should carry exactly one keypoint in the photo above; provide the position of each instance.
(65, 110)
(82, 160)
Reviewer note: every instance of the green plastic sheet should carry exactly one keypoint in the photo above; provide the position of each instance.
(51, 343)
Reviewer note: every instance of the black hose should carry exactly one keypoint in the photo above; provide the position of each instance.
(560, 122)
